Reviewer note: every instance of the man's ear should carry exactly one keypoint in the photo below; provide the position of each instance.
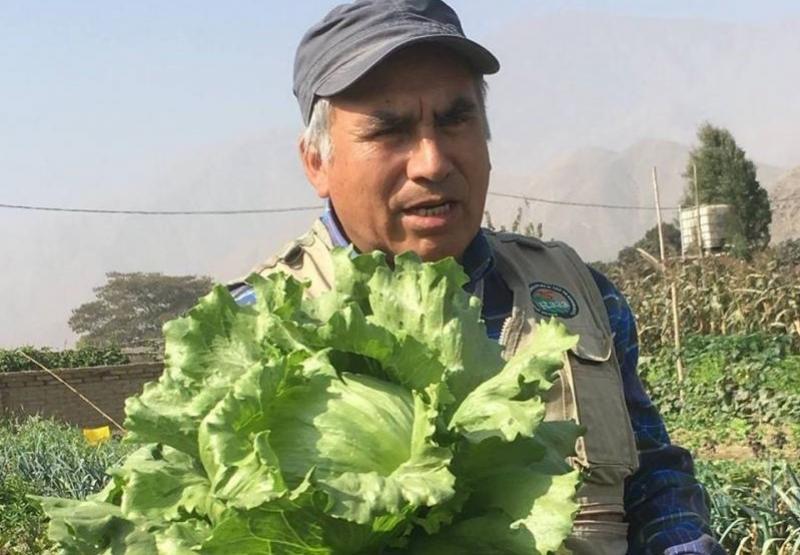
(315, 167)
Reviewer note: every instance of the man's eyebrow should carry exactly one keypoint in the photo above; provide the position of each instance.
(381, 121)
(384, 120)
(460, 108)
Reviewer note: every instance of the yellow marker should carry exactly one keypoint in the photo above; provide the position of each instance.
(96, 436)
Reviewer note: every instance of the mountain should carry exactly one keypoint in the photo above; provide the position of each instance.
(785, 198)
(602, 176)
(575, 79)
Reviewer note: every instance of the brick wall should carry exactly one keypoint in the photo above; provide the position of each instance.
(24, 393)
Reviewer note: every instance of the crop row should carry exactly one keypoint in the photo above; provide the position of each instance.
(715, 295)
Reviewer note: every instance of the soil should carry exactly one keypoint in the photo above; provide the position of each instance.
(751, 450)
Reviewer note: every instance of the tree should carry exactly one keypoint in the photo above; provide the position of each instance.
(131, 308)
(726, 176)
(650, 243)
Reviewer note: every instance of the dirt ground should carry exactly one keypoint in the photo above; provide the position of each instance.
(770, 446)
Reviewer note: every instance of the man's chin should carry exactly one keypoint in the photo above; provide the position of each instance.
(431, 251)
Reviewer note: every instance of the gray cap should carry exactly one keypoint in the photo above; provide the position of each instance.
(353, 38)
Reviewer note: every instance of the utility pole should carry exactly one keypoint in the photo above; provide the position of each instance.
(697, 213)
(673, 290)
(658, 215)
(699, 228)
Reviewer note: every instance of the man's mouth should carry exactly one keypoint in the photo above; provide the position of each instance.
(434, 210)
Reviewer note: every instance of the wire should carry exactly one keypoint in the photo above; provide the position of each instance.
(160, 212)
(308, 208)
(584, 204)
(785, 199)
(611, 206)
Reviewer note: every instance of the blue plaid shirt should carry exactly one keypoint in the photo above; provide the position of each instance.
(665, 506)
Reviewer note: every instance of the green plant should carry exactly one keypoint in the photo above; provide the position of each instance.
(376, 417)
(54, 457)
(131, 308)
(44, 457)
(12, 360)
(755, 506)
(741, 390)
(650, 243)
(717, 295)
(726, 176)
(22, 523)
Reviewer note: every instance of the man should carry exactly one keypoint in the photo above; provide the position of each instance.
(393, 98)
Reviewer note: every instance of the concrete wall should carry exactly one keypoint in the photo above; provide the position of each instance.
(25, 393)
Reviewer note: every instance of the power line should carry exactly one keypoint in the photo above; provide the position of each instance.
(309, 208)
(611, 206)
(785, 199)
(281, 210)
(584, 204)
(160, 212)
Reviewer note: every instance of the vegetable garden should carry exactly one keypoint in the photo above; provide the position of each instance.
(426, 488)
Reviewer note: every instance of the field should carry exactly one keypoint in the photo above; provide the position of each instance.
(737, 411)
(739, 414)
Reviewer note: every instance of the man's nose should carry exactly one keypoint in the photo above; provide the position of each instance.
(428, 161)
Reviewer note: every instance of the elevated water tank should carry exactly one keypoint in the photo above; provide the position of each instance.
(714, 229)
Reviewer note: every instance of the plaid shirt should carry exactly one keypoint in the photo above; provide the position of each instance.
(665, 506)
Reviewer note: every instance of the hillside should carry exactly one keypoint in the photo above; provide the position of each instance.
(602, 176)
(573, 79)
(785, 223)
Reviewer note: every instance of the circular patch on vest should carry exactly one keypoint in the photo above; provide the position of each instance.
(553, 300)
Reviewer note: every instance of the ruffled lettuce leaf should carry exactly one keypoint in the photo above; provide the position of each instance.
(376, 418)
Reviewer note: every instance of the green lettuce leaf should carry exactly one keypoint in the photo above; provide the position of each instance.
(498, 407)
(375, 418)
(94, 528)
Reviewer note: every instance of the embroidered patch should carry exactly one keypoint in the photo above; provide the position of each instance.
(553, 300)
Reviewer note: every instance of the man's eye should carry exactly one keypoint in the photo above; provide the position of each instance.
(387, 132)
(455, 120)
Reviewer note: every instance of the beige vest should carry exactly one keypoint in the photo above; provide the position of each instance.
(589, 388)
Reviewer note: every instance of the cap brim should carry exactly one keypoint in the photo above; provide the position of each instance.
(478, 57)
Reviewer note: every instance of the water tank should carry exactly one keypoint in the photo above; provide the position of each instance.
(714, 229)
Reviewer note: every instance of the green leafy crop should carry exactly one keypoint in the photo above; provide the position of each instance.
(377, 418)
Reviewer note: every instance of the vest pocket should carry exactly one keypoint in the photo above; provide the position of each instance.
(597, 537)
(595, 390)
(601, 409)
(590, 391)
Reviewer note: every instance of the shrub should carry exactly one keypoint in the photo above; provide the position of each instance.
(739, 390)
(11, 360)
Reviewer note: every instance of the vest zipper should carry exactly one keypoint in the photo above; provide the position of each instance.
(504, 330)
(510, 332)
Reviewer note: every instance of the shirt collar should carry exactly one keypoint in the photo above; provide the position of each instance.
(478, 259)
(331, 223)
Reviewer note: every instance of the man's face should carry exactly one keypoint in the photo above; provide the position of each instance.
(410, 165)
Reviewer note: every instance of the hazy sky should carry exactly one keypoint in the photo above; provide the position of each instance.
(142, 104)
(91, 91)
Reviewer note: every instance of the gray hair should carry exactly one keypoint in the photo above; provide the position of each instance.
(317, 134)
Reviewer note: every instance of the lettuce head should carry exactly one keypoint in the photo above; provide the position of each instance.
(377, 418)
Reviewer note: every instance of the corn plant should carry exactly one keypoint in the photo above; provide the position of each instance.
(716, 295)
